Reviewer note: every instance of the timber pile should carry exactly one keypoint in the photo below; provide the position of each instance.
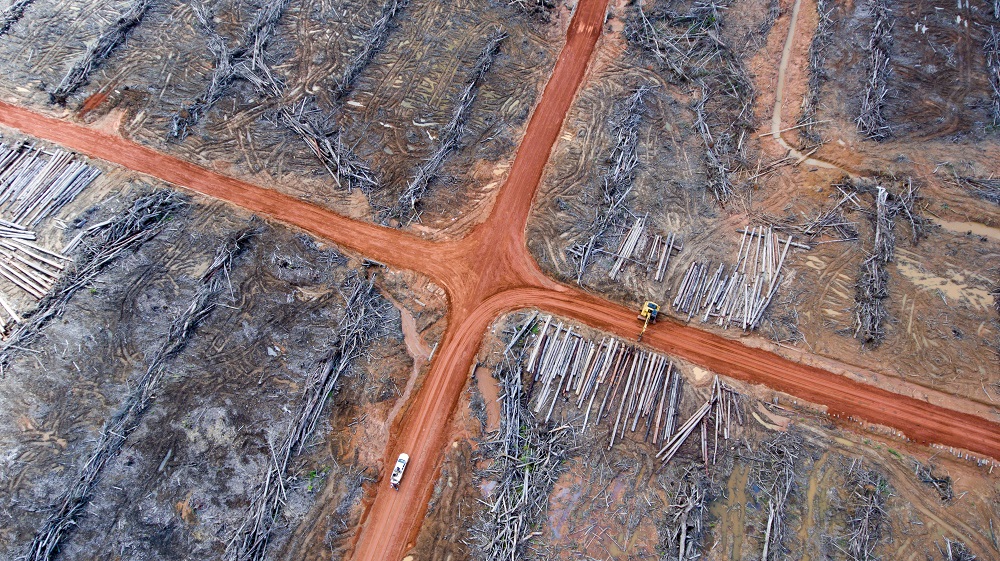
(773, 474)
(12, 14)
(26, 265)
(117, 429)
(451, 134)
(373, 41)
(992, 50)
(871, 121)
(99, 51)
(35, 183)
(647, 250)
(645, 385)
(526, 460)
(868, 518)
(104, 243)
(986, 188)
(741, 295)
(364, 320)
(817, 70)
(618, 177)
(230, 64)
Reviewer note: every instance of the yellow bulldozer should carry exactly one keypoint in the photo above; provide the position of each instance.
(647, 315)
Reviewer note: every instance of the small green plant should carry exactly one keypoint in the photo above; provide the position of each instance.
(316, 476)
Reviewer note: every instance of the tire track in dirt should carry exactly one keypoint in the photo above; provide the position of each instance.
(490, 272)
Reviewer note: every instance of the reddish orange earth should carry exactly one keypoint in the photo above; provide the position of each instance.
(490, 272)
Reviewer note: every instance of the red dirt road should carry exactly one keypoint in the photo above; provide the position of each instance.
(491, 272)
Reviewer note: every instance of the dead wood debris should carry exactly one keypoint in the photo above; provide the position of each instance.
(868, 521)
(925, 473)
(541, 8)
(773, 475)
(117, 429)
(364, 320)
(871, 120)
(104, 243)
(526, 457)
(992, 50)
(451, 135)
(690, 47)
(986, 188)
(372, 42)
(618, 177)
(12, 14)
(230, 64)
(955, 551)
(817, 71)
(684, 524)
(99, 51)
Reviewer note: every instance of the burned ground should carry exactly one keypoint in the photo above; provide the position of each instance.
(391, 119)
(183, 481)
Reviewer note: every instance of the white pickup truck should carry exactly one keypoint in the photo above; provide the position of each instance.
(397, 472)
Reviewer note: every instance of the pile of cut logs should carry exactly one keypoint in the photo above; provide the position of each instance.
(641, 389)
(646, 249)
(35, 183)
(743, 294)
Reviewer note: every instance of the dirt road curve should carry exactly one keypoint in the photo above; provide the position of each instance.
(490, 272)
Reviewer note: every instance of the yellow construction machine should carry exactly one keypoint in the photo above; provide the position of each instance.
(647, 315)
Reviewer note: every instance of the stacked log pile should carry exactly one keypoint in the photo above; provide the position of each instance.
(871, 120)
(35, 183)
(611, 378)
(73, 503)
(110, 39)
(364, 320)
(739, 295)
(646, 250)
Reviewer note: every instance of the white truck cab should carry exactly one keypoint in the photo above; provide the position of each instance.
(397, 472)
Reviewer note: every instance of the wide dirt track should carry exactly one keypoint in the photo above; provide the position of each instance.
(490, 272)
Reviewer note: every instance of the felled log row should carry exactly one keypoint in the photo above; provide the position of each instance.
(99, 51)
(12, 14)
(647, 250)
(992, 50)
(872, 121)
(34, 184)
(986, 188)
(452, 133)
(230, 64)
(74, 500)
(742, 294)
(817, 70)
(363, 321)
(616, 183)
(372, 42)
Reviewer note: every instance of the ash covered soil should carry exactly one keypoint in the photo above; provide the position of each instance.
(221, 411)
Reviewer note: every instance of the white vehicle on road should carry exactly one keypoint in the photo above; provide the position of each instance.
(397, 472)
